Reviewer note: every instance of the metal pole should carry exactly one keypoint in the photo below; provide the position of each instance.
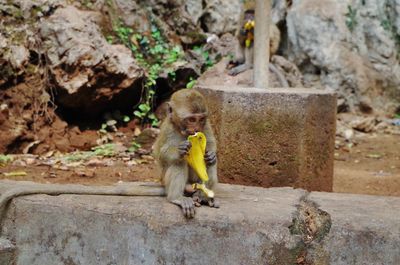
(261, 43)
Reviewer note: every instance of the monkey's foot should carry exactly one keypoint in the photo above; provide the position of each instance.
(199, 198)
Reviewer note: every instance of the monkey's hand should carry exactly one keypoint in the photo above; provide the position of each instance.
(210, 157)
(184, 148)
(187, 205)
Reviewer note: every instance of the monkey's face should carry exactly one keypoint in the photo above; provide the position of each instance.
(248, 16)
(188, 111)
(193, 123)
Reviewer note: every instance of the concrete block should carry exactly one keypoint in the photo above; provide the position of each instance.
(365, 229)
(278, 226)
(274, 137)
(250, 227)
(7, 252)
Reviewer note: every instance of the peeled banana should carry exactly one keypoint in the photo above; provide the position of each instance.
(195, 159)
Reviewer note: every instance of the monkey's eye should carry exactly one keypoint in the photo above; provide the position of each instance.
(202, 120)
(192, 119)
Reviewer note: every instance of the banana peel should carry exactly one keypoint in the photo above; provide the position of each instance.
(195, 159)
(249, 27)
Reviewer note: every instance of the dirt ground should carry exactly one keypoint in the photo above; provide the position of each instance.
(370, 166)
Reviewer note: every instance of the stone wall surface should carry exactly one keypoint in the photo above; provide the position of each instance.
(253, 226)
(274, 137)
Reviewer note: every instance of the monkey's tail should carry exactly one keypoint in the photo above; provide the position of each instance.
(125, 189)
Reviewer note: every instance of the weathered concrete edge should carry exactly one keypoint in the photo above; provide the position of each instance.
(7, 252)
(362, 229)
(275, 90)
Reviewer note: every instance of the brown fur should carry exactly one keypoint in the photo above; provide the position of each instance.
(175, 172)
(244, 55)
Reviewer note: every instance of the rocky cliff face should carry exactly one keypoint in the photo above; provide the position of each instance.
(74, 54)
(352, 47)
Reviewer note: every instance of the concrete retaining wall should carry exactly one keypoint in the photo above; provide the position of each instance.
(253, 226)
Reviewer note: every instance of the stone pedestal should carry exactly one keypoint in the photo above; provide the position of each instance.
(274, 137)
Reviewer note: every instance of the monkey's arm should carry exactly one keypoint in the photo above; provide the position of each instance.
(211, 160)
(175, 180)
(170, 147)
(126, 189)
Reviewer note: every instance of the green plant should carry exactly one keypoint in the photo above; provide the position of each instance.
(191, 83)
(103, 129)
(208, 61)
(154, 54)
(351, 18)
(5, 159)
(78, 156)
(134, 147)
(106, 150)
(110, 39)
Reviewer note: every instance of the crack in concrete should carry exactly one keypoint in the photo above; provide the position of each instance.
(312, 225)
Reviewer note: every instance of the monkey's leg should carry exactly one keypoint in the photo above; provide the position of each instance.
(176, 178)
(239, 69)
(248, 62)
(199, 197)
(212, 181)
(279, 74)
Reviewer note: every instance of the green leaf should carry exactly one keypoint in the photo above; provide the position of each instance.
(138, 114)
(152, 116)
(126, 118)
(144, 107)
(191, 84)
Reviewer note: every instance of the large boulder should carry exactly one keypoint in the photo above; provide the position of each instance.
(88, 72)
(220, 16)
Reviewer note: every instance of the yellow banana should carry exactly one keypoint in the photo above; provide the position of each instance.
(201, 186)
(195, 159)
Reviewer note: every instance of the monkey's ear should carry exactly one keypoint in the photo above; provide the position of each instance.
(169, 108)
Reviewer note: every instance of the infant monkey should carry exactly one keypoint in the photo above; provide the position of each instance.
(187, 114)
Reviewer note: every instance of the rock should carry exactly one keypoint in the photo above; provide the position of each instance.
(175, 21)
(89, 72)
(85, 173)
(83, 140)
(365, 105)
(221, 16)
(356, 56)
(147, 137)
(279, 10)
(96, 162)
(367, 124)
(19, 56)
